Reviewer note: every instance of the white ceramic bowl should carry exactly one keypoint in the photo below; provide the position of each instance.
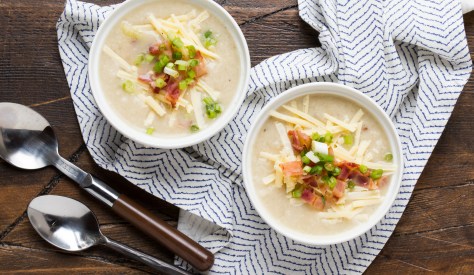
(352, 95)
(168, 142)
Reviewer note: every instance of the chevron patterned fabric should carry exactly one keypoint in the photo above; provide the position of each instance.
(410, 56)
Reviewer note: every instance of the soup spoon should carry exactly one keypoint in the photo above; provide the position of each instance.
(72, 226)
(28, 141)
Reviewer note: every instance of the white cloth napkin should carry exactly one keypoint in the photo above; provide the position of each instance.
(411, 57)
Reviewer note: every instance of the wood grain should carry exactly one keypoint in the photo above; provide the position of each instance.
(435, 234)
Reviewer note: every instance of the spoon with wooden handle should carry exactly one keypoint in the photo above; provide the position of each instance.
(28, 141)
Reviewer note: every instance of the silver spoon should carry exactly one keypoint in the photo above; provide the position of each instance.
(70, 225)
(27, 141)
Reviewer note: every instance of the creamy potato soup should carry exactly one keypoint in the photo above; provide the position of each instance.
(321, 164)
(169, 68)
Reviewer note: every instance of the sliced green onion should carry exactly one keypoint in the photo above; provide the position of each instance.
(328, 166)
(183, 85)
(194, 128)
(324, 157)
(336, 172)
(298, 191)
(305, 160)
(322, 139)
(212, 108)
(160, 65)
(181, 67)
(363, 169)
(376, 174)
(208, 34)
(303, 152)
(128, 86)
(148, 58)
(162, 47)
(177, 55)
(193, 62)
(348, 139)
(139, 59)
(160, 83)
(208, 100)
(218, 109)
(178, 43)
(332, 182)
(191, 74)
(307, 169)
(351, 185)
(325, 179)
(170, 65)
(150, 130)
(388, 157)
(191, 51)
(171, 35)
(328, 137)
(315, 136)
(318, 169)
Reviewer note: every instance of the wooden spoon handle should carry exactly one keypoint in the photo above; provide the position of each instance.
(180, 244)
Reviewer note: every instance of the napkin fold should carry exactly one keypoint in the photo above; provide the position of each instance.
(411, 57)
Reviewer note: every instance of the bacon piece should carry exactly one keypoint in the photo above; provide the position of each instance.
(292, 168)
(172, 91)
(314, 200)
(311, 181)
(338, 191)
(146, 78)
(200, 69)
(318, 203)
(299, 140)
(154, 49)
(361, 180)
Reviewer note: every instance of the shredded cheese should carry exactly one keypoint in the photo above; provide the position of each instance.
(290, 119)
(304, 115)
(122, 63)
(341, 123)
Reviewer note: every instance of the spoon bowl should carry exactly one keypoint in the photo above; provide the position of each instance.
(73, 230)
(25, 137)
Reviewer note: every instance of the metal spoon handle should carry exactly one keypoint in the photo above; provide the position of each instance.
(145, 258)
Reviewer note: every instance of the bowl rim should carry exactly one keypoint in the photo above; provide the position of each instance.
(350, 94)
(171, 142)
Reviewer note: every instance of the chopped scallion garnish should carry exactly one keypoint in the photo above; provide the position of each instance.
(332, 182)
(363, 169)
(318, 169)
(328, 166)
(351, 185)
(191, 74)
(148, 58)
(376, 174)
(177, 42)
(191, 51)
(194, 128)
(298, 191)
(305, 160)
(128, 86)
(150, 130)
(193, 62)
(139, 59)
(388, 157)
(315, 136)
(183, 85)
(177, 55)
(336, 172)
(328, 137)
(348, 139)
(212, 108)
(160, 83)
(307, 169)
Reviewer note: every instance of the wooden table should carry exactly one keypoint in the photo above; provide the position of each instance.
(436, 232)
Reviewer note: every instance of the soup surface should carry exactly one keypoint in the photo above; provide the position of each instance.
(169, 68)
(321, 165)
